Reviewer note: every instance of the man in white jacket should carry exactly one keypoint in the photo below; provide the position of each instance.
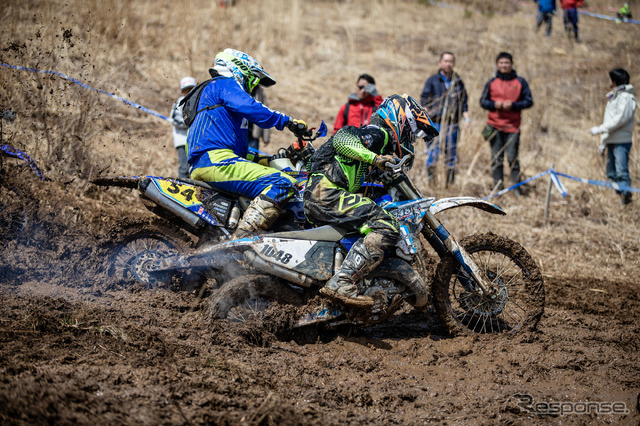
(617, 129)
(180, 128)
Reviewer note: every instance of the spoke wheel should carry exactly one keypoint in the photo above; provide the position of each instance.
(516, 299)
(139, 252)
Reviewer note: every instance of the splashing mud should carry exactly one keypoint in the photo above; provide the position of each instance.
(78, 346)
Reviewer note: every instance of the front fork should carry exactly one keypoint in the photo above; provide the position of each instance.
(444, 244)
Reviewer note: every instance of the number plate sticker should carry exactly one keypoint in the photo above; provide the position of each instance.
(183, 194)
(289, 253)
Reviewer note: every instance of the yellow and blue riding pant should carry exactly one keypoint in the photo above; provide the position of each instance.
(225, 171)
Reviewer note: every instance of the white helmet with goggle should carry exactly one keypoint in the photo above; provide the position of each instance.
(242, 67)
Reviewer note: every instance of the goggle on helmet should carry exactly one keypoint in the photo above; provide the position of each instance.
(407, 120)
(244, 69)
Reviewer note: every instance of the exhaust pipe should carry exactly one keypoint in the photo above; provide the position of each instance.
(279, 271)
(150, 191)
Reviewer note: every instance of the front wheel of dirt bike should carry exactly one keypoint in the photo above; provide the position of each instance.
(517, 299)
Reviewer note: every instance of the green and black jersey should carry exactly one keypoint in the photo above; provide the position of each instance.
(346, 157)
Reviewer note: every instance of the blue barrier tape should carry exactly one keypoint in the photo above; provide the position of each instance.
(12, 152)
(556, 182)
(605, 184)
(581, 12)
(504, 191)
(607, 17)
(560, 186)
(73, 80)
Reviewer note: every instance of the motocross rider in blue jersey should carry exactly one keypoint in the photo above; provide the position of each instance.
(217, 142)
(336, 173)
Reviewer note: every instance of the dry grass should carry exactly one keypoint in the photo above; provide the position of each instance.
(315, 50)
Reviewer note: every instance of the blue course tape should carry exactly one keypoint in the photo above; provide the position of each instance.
(604, 184)
(73, 80)
(581, 12)
(12, 152)
(504, 191)
(607, 17)
(560, 186)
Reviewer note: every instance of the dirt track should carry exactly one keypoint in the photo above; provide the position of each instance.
(77, 349)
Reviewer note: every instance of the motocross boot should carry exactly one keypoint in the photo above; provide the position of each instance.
(360, 261)
(259, 216)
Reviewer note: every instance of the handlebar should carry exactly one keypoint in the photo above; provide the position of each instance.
(397, 168)
(301, 131)
(302, 148)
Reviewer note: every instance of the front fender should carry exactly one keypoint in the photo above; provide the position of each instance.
(453, 202)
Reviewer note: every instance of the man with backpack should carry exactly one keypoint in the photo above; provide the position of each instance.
(218, 113)
(360, 104)
(337, 171)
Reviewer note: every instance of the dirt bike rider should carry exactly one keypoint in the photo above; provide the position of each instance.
(217, 142)
(336, 173)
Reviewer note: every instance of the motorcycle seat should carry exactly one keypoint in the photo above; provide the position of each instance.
(321, 233)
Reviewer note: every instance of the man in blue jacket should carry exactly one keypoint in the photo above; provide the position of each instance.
(445, 98)
(546, 10)
(217, 142)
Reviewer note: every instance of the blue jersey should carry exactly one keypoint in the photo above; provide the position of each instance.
(226, 127)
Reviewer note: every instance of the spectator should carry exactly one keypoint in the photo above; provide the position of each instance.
(546, 10)
(445, 98)
(624, 13)
(255, 132)
(505, 96)
(360, 105)
(180, 128)
(616, 131)
(570, 16)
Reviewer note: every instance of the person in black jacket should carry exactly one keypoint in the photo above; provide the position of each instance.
(445, 98)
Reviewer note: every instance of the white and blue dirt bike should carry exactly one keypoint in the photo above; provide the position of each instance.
(484, 283)
(190, 214)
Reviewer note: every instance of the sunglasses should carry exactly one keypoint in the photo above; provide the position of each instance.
(361, 87)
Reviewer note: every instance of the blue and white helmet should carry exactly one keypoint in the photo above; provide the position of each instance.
(242, 67)
(407, 121)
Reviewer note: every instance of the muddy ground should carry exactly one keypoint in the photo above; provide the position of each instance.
(77, 348)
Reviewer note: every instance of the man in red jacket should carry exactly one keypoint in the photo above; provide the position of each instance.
(505, 95)
(360, 105)
(570, 15)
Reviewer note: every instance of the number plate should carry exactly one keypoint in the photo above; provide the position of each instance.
(183, 194)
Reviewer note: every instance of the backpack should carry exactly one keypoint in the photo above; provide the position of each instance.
(190, 102)
(346, 113)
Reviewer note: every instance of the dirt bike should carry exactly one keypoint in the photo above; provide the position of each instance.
(483, 284)
(194, 214)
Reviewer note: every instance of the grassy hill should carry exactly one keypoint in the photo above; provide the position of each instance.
(315, 50)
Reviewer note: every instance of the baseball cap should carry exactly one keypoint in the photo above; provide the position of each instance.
(187, 83)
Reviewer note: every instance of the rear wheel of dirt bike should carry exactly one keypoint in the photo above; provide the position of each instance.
(138, 250)
(517, 300)
(249, 296)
